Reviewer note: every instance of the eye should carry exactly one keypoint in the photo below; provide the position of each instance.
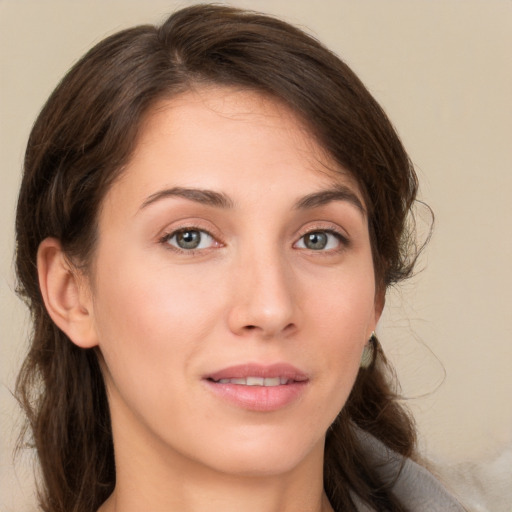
(320, 241)
(190, 239)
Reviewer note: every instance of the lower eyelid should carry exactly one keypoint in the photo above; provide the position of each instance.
(166, 238)
(342, 239)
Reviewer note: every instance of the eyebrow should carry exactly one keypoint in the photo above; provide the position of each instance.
(220, 200)
(323, 197)
(207, 197)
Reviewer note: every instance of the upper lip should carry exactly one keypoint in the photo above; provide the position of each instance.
(283, 370)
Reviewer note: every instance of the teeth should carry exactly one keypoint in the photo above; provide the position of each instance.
(256, 381)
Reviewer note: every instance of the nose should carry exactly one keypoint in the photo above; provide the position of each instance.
(263, 300)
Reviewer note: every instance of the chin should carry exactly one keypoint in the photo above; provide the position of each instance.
(264, 456)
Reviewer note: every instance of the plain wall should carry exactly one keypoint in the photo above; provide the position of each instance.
(442, 70)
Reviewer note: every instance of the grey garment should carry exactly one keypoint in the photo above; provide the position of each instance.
(414, 486)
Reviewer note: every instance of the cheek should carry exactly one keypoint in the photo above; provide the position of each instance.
(343, 309)
(342, 317)
(150, 319)
(134, 290)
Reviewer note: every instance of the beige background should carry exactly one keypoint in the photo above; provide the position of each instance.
(442, 70)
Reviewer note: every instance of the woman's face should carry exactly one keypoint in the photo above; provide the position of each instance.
(232, 290)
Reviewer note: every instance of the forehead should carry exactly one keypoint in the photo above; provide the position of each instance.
(218, 137)
(199, 113)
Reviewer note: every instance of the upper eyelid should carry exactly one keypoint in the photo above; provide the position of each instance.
(342, 238)
(173, 232)
(324, 226)
(187, 225)
(335, 230)
(165, 238)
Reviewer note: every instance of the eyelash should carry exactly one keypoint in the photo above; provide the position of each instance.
(344, 242)
(164, 240)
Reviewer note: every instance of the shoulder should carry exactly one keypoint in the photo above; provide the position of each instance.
(412, 484)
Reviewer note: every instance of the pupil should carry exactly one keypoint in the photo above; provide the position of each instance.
(316, 241)
(188, 239)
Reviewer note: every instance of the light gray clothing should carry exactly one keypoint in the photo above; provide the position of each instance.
(414, 486)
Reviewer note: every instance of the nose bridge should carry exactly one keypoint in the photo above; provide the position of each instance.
(264, 297)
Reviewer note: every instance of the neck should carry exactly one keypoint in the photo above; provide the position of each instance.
(152, 476)
(229, 494)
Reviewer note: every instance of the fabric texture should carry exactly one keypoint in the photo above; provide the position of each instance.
(414, 486)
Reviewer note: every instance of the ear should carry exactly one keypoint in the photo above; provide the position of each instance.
(66, 294)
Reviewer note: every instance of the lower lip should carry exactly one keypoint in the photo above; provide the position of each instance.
(258, 398)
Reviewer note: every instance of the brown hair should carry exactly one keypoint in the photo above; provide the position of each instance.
(80, 142)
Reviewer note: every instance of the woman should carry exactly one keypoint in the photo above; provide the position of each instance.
(210, 215)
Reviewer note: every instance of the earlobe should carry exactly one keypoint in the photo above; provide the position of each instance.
(64, 294)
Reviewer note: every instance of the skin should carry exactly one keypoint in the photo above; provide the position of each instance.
(253, 292)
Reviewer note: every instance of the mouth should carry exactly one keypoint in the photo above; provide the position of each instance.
(262, 388)
(256, 381)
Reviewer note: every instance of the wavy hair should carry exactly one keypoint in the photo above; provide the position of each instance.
(83, 137)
